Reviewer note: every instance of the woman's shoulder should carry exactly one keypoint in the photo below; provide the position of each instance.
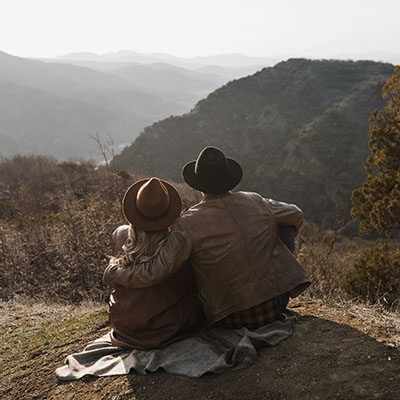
(119, 237)
(122, 229)
(120, 234)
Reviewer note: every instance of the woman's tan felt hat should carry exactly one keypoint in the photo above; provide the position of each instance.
(151, 204)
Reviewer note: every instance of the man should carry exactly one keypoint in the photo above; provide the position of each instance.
(245, 273)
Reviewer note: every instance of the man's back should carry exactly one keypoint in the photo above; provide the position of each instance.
(236, 253)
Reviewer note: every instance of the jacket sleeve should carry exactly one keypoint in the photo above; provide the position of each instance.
(173, 255)
(286, 214)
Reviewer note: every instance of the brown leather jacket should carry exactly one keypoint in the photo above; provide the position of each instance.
(152, 317)
(231, 241)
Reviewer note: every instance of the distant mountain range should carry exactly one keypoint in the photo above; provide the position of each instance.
(299, 129)
(233, 61)
(51, 107)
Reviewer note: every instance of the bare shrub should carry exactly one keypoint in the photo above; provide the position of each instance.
(56, 223)
(327, 257)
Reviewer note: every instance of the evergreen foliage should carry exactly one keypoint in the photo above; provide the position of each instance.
(377, 201)
(376, 274)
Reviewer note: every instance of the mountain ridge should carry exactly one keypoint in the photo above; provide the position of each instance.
(297, 128)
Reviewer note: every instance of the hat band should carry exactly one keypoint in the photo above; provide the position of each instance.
(147, 218)
(213, 178)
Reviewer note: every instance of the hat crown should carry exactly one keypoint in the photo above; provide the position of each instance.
(212, 172)
(152, 199)
(211, 164)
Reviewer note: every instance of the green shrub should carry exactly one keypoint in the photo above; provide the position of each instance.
(376, 274)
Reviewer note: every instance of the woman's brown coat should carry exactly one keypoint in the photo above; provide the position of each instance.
(152, 317)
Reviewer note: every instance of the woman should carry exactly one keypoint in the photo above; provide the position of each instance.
(155, 316)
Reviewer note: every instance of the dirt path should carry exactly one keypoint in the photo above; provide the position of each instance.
(336, 352)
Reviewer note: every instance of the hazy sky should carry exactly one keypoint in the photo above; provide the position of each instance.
(309, 28)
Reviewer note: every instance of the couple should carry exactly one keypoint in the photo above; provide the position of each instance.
(227, 261)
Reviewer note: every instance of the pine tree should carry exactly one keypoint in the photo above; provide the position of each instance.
(377, 201)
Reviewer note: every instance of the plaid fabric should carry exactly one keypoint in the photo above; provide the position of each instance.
(256, 316)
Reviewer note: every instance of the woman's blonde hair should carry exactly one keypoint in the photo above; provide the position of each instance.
(141, 245)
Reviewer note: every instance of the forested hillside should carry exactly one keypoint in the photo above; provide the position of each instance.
(299, 130)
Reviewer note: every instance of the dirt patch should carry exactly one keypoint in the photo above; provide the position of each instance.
(336, 352)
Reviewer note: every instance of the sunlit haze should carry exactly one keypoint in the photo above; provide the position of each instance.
(310, 28)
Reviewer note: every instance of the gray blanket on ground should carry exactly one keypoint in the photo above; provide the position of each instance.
(212, 350)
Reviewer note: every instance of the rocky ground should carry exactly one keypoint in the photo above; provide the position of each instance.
(337, 351)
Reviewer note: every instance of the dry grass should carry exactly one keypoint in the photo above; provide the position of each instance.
(374, 320)
(32, 333)
(56, 222)
(327, 257)
(36, 338)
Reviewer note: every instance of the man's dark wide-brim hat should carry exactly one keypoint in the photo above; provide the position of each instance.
(212, 172)
(151, 204)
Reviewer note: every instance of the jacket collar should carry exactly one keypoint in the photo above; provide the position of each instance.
(209, 196)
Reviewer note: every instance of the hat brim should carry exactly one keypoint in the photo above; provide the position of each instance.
(234, 176)
(138, 221)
